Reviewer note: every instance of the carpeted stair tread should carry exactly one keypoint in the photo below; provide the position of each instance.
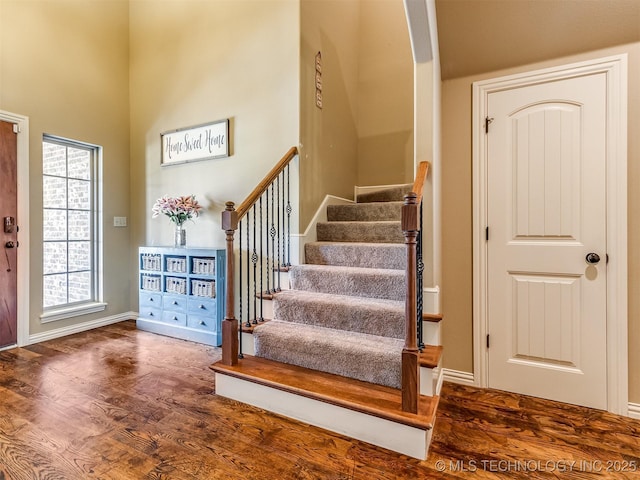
(373, 232)
(365, 212)
(373, 316)
(370, 358)
(387, 194)
(361, 282)
(357, 254)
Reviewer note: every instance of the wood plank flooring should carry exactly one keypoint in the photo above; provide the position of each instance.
(117, 403)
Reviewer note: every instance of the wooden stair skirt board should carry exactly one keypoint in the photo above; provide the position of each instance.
(360, 410)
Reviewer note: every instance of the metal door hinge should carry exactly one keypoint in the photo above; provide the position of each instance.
(487, 340)
(487, 121)
(486, 233)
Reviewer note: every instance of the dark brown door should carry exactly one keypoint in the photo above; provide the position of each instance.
(8, 234)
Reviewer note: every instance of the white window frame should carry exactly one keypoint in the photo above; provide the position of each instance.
(95, 303)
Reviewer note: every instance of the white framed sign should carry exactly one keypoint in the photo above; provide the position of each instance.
(200, 142)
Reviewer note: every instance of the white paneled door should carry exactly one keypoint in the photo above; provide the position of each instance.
(546, 249)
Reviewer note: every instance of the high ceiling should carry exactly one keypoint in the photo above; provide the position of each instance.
(477, 36)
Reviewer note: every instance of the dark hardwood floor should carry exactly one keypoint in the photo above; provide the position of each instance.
(117, 403)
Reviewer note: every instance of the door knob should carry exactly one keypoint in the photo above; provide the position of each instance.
(592, 258)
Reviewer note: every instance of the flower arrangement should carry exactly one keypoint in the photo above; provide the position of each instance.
(178, 209)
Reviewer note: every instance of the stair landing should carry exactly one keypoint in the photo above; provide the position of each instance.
(361, 410)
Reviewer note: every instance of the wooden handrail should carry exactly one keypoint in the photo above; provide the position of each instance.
(264, 184)
(410, 214)
(230, 219)
(421, 176)
(411, 352)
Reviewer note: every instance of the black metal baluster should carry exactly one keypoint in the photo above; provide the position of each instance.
(273, 238)
(248, 323)
(240, 291)
(254, 260)
(278, 229)
(261, 319)
(268, 290)
(288, 219)
(283, 231)
(240, 276)
(419, 284)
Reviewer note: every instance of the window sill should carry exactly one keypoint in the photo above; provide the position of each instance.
(68, 312)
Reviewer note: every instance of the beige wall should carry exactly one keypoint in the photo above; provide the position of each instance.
(64, 64)
(328, 136)
(195, 62)
(385, 95)
(457, 211)
(363, 135)
(186, 63)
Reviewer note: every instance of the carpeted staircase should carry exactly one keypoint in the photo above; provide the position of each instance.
(344, 313)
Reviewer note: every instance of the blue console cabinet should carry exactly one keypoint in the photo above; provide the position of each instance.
(182, 293)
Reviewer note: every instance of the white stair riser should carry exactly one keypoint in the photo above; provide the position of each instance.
(431, 380)
(247, 344)
(400, 438)
(267, 309)
(285, 284)
(431, 333)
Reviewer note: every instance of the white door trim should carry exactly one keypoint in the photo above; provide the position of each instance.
(615, 68)
(23, 223)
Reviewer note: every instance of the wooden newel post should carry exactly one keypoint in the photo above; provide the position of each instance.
(410, 352)
(230, 323)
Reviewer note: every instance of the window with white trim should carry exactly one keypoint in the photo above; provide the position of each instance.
(70, 223)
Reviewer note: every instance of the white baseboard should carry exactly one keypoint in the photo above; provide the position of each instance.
(456, 376)
(81, 327)
(466, 378)
(634, 410)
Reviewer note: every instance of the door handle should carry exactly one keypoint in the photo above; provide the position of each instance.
(592, 258)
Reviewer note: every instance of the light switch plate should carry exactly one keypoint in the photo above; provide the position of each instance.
(119, 221)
